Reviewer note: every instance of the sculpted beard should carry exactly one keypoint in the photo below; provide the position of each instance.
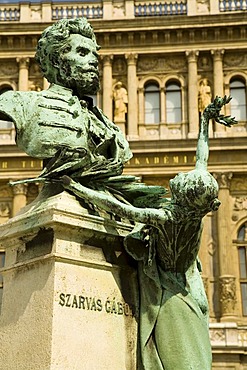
(82, 80)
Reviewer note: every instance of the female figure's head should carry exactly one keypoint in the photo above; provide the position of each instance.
(196, 190)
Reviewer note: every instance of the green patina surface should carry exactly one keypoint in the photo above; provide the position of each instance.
(85, 152)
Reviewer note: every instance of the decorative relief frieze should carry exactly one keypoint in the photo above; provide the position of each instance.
(239, 185)
(217, 336)
(5, 192)
(228, 297)
(8, 68)
(223, 179)
(166, 63)
(235, 60)
(5, 209)
(119, 66)
(204, 63)
(240, 204)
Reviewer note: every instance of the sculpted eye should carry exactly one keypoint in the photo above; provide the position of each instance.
(82, 52)
(66, 49)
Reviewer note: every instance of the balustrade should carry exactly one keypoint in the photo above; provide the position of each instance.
(90, 11)
(9, 13)
(144, 9)
(232, 5)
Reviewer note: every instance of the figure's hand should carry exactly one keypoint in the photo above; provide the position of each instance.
(66, 180)
(213, 111)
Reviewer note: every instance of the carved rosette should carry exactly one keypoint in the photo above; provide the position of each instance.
(228, 297)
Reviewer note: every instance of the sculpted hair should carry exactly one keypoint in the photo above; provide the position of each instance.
(195, 189)
(54, 39)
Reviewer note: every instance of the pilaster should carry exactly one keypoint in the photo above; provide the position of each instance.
(227, 279)
(192, 57)
(132, 93)
(217, 54)
(23, 73)
(107, 85)
(20, 198)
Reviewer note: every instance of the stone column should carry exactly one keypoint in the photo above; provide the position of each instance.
(20, 198)
(193, 93)
(132, 93)
(23, 73)
(107, 85)
(226, 273)
(220, 130)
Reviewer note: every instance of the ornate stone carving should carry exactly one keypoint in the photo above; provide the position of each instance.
(202, 6)
(4, 209)
(235, 59)
(228, 297)
(218, 53)
(131, 58)
(224, 179)
(239, 185)
(161, 64)
(19, 189)
(240, 204)
(211, 247)
(23, 62)
(5, 192)
(217, 335)
(119, 66)
(9, 68)
(204, 63)
(192, 55)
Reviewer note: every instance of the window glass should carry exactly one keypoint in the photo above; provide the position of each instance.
(152, 104)
(173, 103)
(2, 260)
(238, 102)
(242, 262)
(241, 233)
(244, 297)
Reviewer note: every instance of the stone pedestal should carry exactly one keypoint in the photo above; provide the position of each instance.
(70, 298)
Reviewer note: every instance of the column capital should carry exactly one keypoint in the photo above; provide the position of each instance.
(131, 58)
(223, 179)
(20, 189)
(107, 59)
(23, 62)
(218, 53)
(192, 55)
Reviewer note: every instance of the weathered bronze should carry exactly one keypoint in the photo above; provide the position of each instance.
(174, 312)
(61, 125)
(80, 146)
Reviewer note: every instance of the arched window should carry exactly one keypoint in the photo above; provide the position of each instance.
(238, 102)
(5, 88)
(242, 239)
(173, 103)
(152, 103)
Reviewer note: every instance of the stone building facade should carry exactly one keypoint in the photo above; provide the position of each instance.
(170, 57)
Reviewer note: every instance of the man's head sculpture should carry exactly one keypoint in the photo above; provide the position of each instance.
(67, 55)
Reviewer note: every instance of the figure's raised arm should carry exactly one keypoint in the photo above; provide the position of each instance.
(150, 216)
(212, 111)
